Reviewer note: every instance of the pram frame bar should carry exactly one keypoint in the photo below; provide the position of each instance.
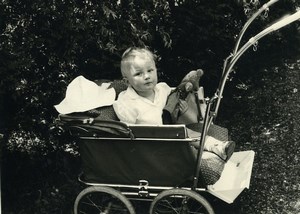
(136, 186)
(142, 191)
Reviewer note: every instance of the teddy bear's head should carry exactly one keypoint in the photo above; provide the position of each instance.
(190, 82)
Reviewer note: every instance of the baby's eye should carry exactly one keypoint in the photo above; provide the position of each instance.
(150, 70)
(138, 74)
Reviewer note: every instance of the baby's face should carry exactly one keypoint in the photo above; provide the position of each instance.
(142, 75)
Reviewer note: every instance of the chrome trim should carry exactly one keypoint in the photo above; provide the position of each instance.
(141, 139)
(137, 186)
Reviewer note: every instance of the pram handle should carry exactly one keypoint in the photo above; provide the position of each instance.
(238, 53)
(214, 102)
(250, 20)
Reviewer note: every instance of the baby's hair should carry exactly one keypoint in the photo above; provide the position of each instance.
(130, 54)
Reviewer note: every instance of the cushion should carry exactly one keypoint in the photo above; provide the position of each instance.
(215, 131)
(211, 167)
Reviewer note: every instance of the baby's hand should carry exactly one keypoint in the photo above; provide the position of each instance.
(183, 106)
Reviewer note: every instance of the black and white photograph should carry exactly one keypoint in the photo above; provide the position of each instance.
(150, 107)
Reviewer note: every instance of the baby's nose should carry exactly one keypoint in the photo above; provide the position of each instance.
(146, 75)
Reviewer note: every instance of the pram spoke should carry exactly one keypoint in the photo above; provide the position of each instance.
(102, 200)
(180, 201)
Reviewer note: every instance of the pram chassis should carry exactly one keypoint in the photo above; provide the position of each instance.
(142, 191)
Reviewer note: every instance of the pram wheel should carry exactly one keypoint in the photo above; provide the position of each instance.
(102, 200)
(180, 201)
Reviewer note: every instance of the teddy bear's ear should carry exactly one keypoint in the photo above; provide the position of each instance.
(200, 72)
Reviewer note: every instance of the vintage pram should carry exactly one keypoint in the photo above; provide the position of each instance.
(123, 163)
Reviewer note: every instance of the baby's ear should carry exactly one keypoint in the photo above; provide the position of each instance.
(126, 80)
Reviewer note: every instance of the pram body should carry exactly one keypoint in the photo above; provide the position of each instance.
(148, 162)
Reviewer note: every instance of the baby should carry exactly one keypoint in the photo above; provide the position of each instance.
(145, 98)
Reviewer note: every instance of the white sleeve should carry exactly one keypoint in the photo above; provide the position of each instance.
(124, 111)
(165, 87)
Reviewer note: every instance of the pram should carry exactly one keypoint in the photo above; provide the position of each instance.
(122, 163)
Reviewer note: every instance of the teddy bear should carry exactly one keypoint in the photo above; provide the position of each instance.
(189, 83)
